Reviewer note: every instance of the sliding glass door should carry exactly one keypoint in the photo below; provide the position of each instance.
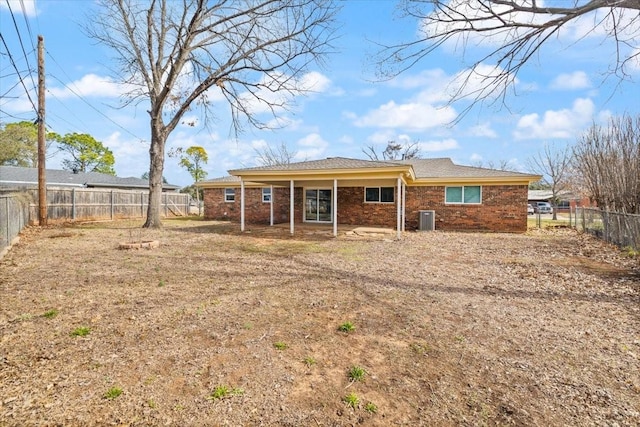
(317, 205)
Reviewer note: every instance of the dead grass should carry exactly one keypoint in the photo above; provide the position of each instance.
(451, 329)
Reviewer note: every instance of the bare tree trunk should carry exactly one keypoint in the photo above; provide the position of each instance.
(156, 157)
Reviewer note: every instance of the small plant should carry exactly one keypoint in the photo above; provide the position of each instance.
(630, 252)
(50, 314)
(82, 331)
(113, 392)
(421, 348)
(280, 345)
(152, 404)
(352, 400)
(371, 407)
(459, 338)
(223, 391)
(309, 361)
(161, 283)
(347, 327)
(357, 373)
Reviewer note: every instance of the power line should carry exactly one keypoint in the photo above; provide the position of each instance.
(26, 21)
(15, 25)
(15, 67)
(85, 101)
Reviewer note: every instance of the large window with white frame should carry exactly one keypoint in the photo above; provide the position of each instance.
(266, 194)
(229, 194)
(463, 194)
(379, 194)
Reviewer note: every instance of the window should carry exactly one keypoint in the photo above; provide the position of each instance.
(229, 194)
(468, 194)
(266, 194)
(379, 194)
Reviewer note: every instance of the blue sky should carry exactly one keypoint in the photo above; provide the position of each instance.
(560, 93)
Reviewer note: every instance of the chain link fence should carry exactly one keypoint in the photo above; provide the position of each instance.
(620, 229)
(14, 216)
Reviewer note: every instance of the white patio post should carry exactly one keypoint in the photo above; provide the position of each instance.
(291, 207)
(399, 206)
(271, 205)
(335, 208)
(404, 205)
(241, 204)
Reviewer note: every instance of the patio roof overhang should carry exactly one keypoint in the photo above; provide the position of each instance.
(284, 177)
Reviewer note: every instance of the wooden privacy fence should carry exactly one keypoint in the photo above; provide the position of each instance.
(90, 204)
(618, 228)
(81, 204)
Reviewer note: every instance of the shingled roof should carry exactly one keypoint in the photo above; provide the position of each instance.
(445, 168)
(341, 163)
(423, 168)
(18, 177)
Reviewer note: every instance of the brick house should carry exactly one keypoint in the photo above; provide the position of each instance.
(405, 195)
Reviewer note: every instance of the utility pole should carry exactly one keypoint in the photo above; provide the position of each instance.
(42, 184)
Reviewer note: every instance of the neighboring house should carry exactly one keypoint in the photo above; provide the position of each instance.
(372, 193)
(18, 178)
(567, 199)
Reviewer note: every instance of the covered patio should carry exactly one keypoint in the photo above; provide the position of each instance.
(321, 182)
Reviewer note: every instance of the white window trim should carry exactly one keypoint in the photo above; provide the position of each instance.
(226, 199)
(270, 195)
(379, 201)
(461, 202)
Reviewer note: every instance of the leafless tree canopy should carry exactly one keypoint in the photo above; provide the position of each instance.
(178, 55)
(501, 165)
(517, 28)
(394, 151)
(608, 160)
(554, 164)
(280, 155)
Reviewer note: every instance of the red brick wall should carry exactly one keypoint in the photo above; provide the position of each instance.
(353, 210)
(255, 210)
(503, 209)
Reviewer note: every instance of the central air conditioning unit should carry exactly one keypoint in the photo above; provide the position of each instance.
(426, 220)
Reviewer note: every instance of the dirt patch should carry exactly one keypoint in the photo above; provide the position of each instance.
(450, 329)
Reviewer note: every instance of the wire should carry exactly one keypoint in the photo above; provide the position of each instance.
(19, 75)
(15, 25)
(85, 101)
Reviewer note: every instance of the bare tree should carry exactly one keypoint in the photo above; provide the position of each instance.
(608, 162)
(554, 164)
(519, 29)
(173, 55)
(394, 151)
(502, 164)
(270, 156)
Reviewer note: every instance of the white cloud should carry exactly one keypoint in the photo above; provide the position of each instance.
(475, 158)
(411, 115)
(91, 85)
(311, 147)
(430, 78)
(565, 123)
(26, 7)
(444, 145)
(572, 81)
(314, 82)
(474, 14)
(482, 130)
(278, 92)
(131, 155)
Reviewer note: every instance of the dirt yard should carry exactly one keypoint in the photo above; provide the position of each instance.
(216, 328)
